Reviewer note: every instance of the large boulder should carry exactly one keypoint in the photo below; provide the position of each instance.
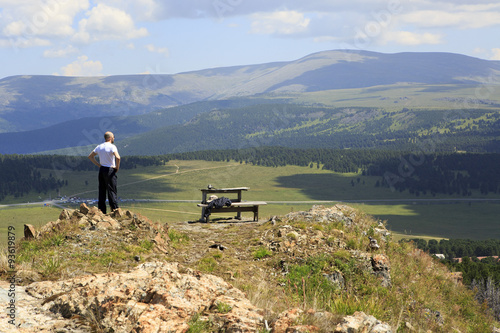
(360, 322)
(154, 297)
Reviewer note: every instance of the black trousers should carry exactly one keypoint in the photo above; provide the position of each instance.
(107, 186)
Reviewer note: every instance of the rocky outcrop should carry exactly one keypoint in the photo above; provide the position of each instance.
(161, 296)
(319, 213)
(377, 264)
(91, 218)
(154, 297)
(307, 241)
(359, 322)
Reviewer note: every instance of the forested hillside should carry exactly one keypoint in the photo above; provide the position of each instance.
(324, 127)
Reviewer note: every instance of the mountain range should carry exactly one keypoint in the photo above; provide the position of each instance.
(47, 113)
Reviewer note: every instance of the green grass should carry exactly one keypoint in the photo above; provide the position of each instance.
(262, 253)
(415, 96)
(17, 217)
(457, 220)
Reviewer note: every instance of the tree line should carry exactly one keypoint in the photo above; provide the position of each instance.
(417, 172)
(458, 248)
(21, 174)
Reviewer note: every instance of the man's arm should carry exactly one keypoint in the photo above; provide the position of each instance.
(92, 158)
(117, 160)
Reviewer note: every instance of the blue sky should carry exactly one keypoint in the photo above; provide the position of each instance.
(112, 37)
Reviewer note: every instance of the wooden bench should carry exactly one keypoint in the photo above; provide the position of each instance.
(236, 207)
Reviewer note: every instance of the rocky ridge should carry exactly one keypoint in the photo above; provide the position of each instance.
(166, 289)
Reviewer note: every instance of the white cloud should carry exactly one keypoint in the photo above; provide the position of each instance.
(60, 52)
(31, 19)
(23, 43)
(280, 22)
(325, 39)
(161, 50)
(410, 38)
(107, 23)
(458, 19)
(82, 67)
(496, 54)
(142, 10)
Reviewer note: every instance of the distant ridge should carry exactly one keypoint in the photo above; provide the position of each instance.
(36, 110)
(31, 102)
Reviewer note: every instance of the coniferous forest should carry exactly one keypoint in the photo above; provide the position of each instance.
(419, 173)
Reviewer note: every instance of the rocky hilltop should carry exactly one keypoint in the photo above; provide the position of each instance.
(330, 269)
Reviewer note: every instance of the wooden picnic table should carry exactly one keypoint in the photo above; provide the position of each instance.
(237, 204)
(237, 190)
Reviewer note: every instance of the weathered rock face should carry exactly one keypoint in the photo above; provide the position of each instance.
(319, 213)
(377, 264)
(308, 241)
(154, 297)
(359, 322)
(91, 218)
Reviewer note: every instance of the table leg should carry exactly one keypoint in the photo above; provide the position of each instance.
(238, 214)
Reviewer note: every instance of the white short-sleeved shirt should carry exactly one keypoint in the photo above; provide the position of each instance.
(106, 154)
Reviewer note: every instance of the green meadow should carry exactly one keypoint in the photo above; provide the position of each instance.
(169, 194)
(397, 96)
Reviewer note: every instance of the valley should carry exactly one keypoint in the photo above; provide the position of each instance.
(169, 193)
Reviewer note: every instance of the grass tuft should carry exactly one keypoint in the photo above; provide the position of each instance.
(262, 253)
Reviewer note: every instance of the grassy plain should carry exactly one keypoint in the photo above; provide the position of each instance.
(398, 96)
(169, 193)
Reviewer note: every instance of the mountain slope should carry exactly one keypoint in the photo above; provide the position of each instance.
(90, 130)
(297, 126)
(33, 102)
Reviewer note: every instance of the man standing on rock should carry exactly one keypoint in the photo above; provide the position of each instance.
(109, 163)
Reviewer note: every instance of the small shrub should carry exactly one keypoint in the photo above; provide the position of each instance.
(207, 264)
(307, 284)
(4, 262)
(318, 227)
(352, 244)
(51, 266)
(55, 240)
(223, 307)
(261, 253)
(197, 325)
(342, 254)
(177, 237)
(147, 245)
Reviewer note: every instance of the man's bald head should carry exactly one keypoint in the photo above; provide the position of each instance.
(109, 136)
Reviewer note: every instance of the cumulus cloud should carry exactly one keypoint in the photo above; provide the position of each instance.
(107, 23)
(82, 67)
(410, 38)
(161, 50)
(459, 19)
(280, 22)
(496, 54)
(38, 19)
(142, 10)
(60, 52)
